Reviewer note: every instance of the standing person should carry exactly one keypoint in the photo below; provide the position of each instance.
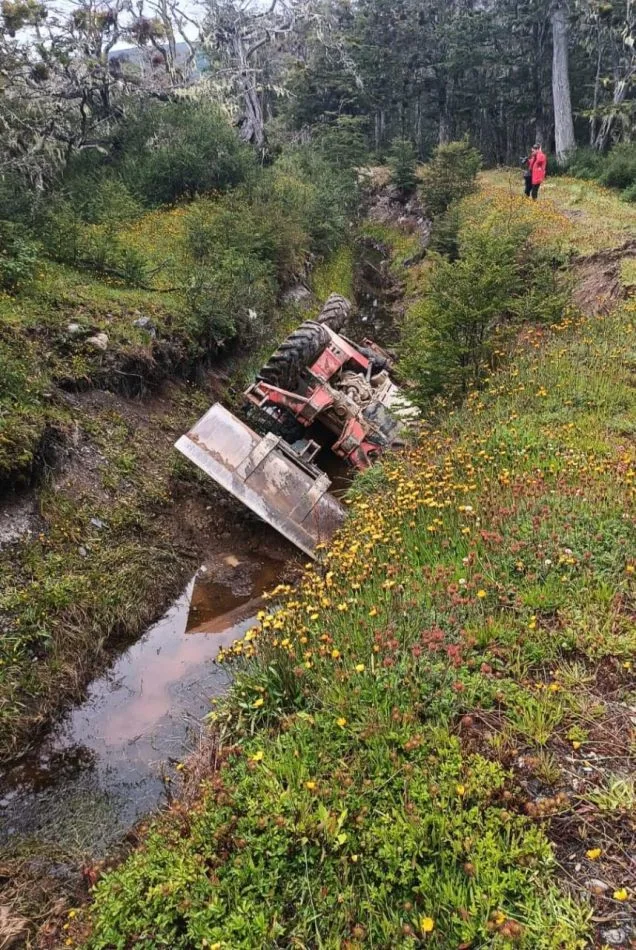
(535, 172)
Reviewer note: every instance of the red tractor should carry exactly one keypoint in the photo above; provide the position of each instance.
(317, 376)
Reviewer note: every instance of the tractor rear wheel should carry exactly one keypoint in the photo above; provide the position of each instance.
(300, 350)
(335, 312)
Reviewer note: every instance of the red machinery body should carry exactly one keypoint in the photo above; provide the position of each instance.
(362, 432)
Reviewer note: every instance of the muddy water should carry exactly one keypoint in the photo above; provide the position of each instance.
(104, 766)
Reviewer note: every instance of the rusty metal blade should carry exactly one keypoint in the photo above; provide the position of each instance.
(266, 475)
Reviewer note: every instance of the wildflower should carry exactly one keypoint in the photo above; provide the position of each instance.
(461, 790)
(335, 654)
(258, 702)
(310, 785)
(593, 854)
(621, 894)
(258, 756)
(481, 594)
(342, 722)
(427, 924)
(373, 612)
(359, 667)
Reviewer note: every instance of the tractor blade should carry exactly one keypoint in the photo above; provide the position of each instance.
(267, 476)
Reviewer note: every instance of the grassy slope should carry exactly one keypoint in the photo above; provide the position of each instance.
(71, 588)
(430, 743)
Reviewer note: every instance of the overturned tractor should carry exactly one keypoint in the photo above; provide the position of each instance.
(317, 387)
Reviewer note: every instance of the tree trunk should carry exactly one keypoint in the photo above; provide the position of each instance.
(445, 118)
(563, 123)
(603, 136)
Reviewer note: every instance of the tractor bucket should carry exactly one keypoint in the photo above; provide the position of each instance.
(278, 484)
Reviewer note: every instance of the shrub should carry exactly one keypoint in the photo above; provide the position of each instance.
(469, 306)
(620, 167)
(585, 163)
(629, 194)
(451, 174)
(18, 256)
(403, 164)
(322, 197)
(179, 149)
(232, 297)
(342, 143)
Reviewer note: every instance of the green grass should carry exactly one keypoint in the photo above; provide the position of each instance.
(595, 216)
(402, 757)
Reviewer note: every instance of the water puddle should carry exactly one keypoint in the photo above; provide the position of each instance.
(102, 768)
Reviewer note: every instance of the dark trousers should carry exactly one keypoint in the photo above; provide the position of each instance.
(531, 189)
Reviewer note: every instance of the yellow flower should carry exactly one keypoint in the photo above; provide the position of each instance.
(258, 756)
(481, 594)
(258, 702)
(342, 722)
(460, 789)
(335, 654)
(621, 894)
(310, 785)
(593, 854)
(373, 612)
(427, 925)
(359, 667)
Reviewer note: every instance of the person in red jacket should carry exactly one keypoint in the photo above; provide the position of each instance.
(535, 172)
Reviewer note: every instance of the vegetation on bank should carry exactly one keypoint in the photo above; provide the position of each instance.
(205, 277)
(428, 741)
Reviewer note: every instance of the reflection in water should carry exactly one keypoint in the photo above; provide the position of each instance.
(102, 768)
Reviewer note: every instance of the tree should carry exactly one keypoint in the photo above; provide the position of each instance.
(233, 34)
(565, 141)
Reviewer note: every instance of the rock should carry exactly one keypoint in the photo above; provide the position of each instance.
(99, 341)
(82, 552)
(74, 329)
(145, 323)
(615, 937)
(596, 886)
(97, 522)
(297, 294)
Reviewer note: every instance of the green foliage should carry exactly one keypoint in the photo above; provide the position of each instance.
(614, 169)
(469, 304)
(18, 256)
(620, 167)
(325, 196)
(403, 165)
(180, 149)
(342, 143)
(449, 175)
(585, 163)
(629, 194)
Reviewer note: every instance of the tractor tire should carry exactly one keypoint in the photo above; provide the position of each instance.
(300, 350)
(335, 312)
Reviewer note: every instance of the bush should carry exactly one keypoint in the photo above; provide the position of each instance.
(232, 297)
(620, 167)
(585, 163)
(629, 194)
(403, 165)
(451, 174)
(321, 197)
(468, 306)
(342, 143)
(18, 256)
(179, 149)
